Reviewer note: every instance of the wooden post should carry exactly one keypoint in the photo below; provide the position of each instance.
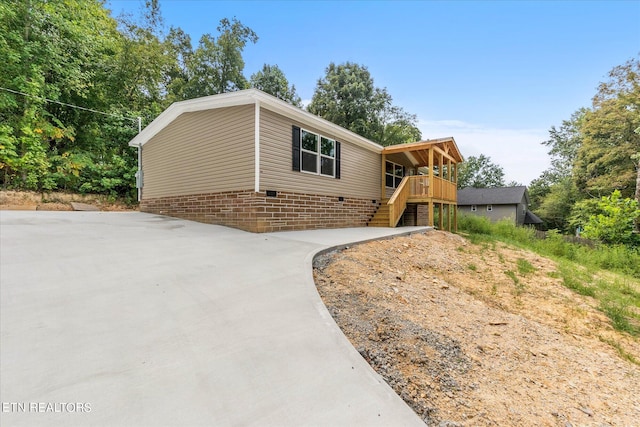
(456, 180)
(383, 192)
(455, 218)
(430, 222)
(455, 207)
(441, 176)
(431, 177)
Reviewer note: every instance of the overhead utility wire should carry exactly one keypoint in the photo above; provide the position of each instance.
(136, 119)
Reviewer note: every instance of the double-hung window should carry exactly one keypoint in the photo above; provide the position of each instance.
(393, 174)
(315, 154)
(318, 154)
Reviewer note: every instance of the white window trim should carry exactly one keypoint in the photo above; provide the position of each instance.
(393, 175)
(474, 208)
(489, 208)
(318, 154)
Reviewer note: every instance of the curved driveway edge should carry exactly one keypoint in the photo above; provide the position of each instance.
(137, 319)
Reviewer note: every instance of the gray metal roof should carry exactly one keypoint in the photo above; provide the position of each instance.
(492, 196)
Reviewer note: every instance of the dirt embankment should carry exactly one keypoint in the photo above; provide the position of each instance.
(467, 338)
(56, 201)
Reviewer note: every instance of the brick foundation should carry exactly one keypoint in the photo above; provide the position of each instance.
(256, 212)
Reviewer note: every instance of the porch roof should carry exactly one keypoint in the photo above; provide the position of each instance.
(418, 152)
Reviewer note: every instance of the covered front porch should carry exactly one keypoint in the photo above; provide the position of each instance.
(419, 182)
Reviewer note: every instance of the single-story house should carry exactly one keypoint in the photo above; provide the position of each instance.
(498, 203)
(248, 160)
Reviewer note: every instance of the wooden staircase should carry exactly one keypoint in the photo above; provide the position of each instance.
(381, 217)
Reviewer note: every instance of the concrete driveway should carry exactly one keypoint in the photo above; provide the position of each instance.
(114, 319)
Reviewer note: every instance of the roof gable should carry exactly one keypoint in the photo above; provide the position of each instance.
(246, 97)
(418, 150)
(492, 196)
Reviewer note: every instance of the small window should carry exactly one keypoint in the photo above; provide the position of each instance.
(474, 208)
(489, 208)
(393, 174)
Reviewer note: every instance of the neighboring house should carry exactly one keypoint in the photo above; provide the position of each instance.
(248, 160)
(498, 203)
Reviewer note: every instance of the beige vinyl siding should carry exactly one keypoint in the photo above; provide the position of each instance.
(202, 152)
(359, 171)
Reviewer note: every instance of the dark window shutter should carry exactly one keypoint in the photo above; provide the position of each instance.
(338, 148)
(295, 145)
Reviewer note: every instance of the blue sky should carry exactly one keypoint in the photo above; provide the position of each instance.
(494, 75)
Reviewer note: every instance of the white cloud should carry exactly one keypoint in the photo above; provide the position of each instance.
(518, 151)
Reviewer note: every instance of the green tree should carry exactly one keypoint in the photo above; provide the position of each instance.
(609, 219)
(178, 46)
(217, 64)
(553, 193)
(399, 127)
(53, 50)
(555, 208)
(480, 172)
(272, 80)
(605, 161)
(347, 96)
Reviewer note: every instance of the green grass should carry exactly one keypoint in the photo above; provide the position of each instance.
(620, 259)
(525, 267)
(576, 279)
(512, 276)
(610, 274)
(519, 286)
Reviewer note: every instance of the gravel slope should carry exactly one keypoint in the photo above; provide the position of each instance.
(465, 345)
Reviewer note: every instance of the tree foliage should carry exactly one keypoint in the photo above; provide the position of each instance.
(272, 80)
(216, 66)
(347, 96)
(605, 159)
(595, 153)
(610, 219)
(74, 52)
(480, 172)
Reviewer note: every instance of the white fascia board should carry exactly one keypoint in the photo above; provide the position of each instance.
(244, 97)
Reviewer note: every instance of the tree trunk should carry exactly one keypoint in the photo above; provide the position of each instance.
(638, 195)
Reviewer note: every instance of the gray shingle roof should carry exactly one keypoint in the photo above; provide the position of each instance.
(491, 196)
(531, 218)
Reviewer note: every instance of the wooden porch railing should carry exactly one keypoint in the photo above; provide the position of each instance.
(398, 202)
(417, 188)
(444, 190)
(410, 187)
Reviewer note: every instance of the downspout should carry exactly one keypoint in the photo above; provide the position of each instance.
(256, 156)
(139, 180)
